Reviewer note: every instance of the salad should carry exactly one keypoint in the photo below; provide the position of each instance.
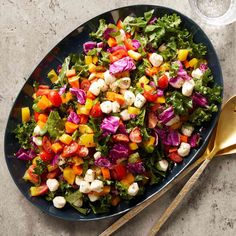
(116, 118)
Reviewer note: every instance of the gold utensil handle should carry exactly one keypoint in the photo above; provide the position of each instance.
(187, 187)
(133, 212)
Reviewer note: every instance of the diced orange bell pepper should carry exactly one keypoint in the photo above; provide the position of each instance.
(105, 173)
(112, 96)
(70, 73)
(186, 64)
(56, 147)
(43, 117)
(66, 97)
(74, 81)
(69, 175)
(77, 160)
(41, 124)
(111, 42)
(128, 180)
(105, 191)
(78, 170)
(70, 127)
(150, 71)
(90, 95)
(183, 138)
(44, 103)
(119, 24)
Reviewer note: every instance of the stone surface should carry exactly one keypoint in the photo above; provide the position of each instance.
(28, 30)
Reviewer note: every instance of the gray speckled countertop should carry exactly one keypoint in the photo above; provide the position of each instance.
(28, 30)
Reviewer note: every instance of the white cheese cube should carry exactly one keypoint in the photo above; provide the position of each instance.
(115, 107)
(84, 187)
(156, 59)
(92, 197)
(95, 88)
(89, 175)
(197, 73)
(125, 115)
(106, 107)
(187, 130)
(109, 79)
(173, 120)
(139, 100)
(133, 189)
(59, 202)
(184, 149)
(187, 88)
(129, 97)
(52, 184)
(97, 186)
(97, 155)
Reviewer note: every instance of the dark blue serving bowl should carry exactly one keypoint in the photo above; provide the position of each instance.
(73, 44)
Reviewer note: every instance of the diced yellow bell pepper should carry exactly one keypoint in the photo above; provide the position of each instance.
(87, 140)
(65, 138)
(52, 75)
(89, 103)
(161, 100)
(77, 160)
(25, 114)
(193, 62)
(91, 68)
(95, 60)
(165, 66)
(134, 55)
(133, 146)
(82, 110)
(182, 54)
(149, 142)
(44, 103)
(133, 110)
(69, 175)
(66, 97)
(142, 80)
(147, 87)
(85, 129)
(88, 60)
(38, 190)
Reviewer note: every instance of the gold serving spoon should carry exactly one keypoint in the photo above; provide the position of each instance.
(225, 138)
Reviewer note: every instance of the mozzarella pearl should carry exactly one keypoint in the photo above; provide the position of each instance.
(97, 186)
(125, 115)
(187, 130)
(124, 83)
(156, 59)
(59, 202)
(129, 97)
(106, 107)
(115, 107)
(84, 187)
(78, 180)
(89, 175)
(139, 100)
(97, 155)
(52, 184)
(163, 164)
(114, 86)
(184, 149)
(102, 85)
(95, 88)
(109, 78)
(92, 197)
(187, 88)
(197, 73)
(133, 189)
